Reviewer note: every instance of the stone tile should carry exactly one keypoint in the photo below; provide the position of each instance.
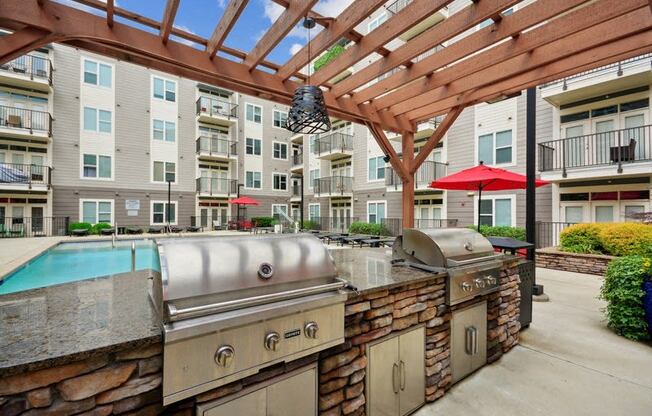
(40, 397)
(132, 387)
(89, 385)
(338, 360)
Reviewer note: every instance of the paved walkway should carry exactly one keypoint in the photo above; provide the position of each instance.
(568, 363)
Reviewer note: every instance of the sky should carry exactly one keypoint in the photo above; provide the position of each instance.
(201, 16)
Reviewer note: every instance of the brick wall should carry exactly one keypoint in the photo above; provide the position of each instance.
(550, 258)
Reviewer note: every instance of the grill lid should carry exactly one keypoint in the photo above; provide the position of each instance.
(446, 247)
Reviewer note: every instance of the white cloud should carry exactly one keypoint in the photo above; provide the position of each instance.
(272, 10)
(182, 40)
(332, 8)
(221, 4)
(296, 47)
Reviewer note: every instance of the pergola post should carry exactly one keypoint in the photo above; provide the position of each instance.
(408, 183)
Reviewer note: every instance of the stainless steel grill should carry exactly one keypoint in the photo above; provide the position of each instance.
(231, 306)
(472, 265)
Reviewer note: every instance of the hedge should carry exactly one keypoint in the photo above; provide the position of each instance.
(263, 221)
(80, 226)
(367, 228)
(616, 239)
(332, 53)
(501, 231)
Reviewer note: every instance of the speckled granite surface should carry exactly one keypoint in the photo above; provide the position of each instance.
(58, 324)
(370, 269)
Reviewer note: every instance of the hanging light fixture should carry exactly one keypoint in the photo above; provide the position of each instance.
(308, 114)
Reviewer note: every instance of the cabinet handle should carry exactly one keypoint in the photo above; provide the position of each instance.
(468, 340)
(402, 373)
(475, 340)
(394, 377)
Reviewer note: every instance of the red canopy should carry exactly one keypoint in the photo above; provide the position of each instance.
(484, 178)
(244, 200)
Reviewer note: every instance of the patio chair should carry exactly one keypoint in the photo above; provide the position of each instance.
(134, 230)
(14, 120)
(155, 230)
(193, 229)
(107, 231)
(175, 229)
(80, 232)
(625, 153)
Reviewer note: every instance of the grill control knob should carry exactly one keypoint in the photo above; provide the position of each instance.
(479, 283)
(466, 286)
(490, 280)
(224, 356)
(271, 341)
(311, 330)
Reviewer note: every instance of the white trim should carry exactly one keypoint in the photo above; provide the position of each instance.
(176, 172)
(253, 179)
(369, 180)
(97, 167)
(176, 88)
(314, 204)
(287, 150)
(493, 197)
(85, 58)
(96, 201)
(254, 148)
(262, 113)
(274, 111)
(287, 181)
(151, 212)
(382, 16)
(280, 205)
(380, 201)
(514, 146)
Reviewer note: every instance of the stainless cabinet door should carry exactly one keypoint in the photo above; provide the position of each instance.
(412, 377)
(252, 404)
(382, 378)
(480, 323)
(294, 396)
(460, 356)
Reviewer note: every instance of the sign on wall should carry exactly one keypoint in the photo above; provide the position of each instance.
(132, 204)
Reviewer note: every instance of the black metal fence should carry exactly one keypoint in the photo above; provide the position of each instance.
(22, 118)
(216, 108)
(297, 159)
(395, 225)
(16, 227)
(335, 224)
(32, 66)
(428, 171)
(333, 185)
(14, 173)
(547, 233)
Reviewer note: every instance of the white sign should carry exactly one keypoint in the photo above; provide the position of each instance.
(132, 204)
(132, 213)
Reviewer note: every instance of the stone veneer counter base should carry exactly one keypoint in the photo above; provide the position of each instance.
(552, 258)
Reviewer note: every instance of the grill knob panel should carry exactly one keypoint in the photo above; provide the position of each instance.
(479, 283)
(224, 356)
(271, 341)
(490, 280)
(466, 286)
(311, 330)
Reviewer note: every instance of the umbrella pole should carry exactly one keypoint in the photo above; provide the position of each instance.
(479, 202)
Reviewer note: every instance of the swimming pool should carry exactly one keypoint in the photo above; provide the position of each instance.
(69, 262)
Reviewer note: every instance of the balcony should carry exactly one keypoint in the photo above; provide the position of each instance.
(297, 163)
(333, 186)
(428, 171)
(296, 193)
(216, 148)
(334, 146)
(27, 71)
(626, 149)
(422, 26)
(629, 74)
(214, 111)
(216, 187)
(19, 177)
(23, 123)
(297, 139)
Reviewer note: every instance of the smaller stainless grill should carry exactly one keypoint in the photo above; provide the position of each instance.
(469, 259)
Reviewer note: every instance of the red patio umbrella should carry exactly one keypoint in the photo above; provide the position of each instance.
(244, 200)
(483, 178)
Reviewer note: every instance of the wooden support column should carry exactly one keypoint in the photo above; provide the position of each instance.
(408, 185)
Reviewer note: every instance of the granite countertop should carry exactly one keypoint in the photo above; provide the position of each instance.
(370, 269)
(73, 321)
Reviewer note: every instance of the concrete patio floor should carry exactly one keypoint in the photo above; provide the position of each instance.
(567, 363)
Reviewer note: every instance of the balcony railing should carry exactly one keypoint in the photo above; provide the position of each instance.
(394, 226)
(19, 174)
(35, 67)
(338, 224)
(428, 171)
(216, 108)
(334, 142)
(33, 226)
(333, 185)
(297, 159)
(21, 118)
(296, 191)
(215, 146)
(217, 186)
(614, 147)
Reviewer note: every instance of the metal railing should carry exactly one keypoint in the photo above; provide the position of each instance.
(297, 159)
(13, 173)
(547, 233)
(21, 118)
(333, 185)
(216, 108)
(15, 227)
(208, 222)
(32, 66)
(334, 224)
(611, 147)
(428, 171)
(215, 146)
(395, 225)
(296, 190)
(334, 142)
(217, 186)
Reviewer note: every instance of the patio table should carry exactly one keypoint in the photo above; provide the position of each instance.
(508, 244)
(377, 242)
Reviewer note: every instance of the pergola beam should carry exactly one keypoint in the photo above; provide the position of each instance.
(23, 41)
(281, 27)
(110, 10)
(388, 150)
(167, 23)
(230, 16)
(435, 138)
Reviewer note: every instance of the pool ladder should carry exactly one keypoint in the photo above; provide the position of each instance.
(133, 256)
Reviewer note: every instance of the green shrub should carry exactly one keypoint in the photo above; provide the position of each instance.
(80, 226)
(581, 238)
(98, 227)
(367, 228)
(263, 221)
(332, 53)
(310, 225)
(626, 239)
(623, 291)
(501, 231)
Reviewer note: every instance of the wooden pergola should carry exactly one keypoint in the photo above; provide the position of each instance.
(543, 41)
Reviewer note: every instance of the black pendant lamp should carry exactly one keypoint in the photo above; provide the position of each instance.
(308, 113)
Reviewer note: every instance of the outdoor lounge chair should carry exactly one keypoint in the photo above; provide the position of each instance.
(134, 230)
(155, 230)
(175, 229)
(80, 232)
(107, 231)
(193, 229)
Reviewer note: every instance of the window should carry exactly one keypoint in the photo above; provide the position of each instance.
(165, 172)
(313, 212)
(97, 74)
(252, 180)
(165, 90)
(164, 130)
(254, 113)
(314, 143)
(496, 211)
(277, 209)
(94, 212)
(495, 149)
(160, 213)
(376, 168)
(280, 119)
(377, 21)
(253, 146)
(97, 120)
(375, 212)
(280, 151)
(314, 175)
(97, 166)
(280, 181)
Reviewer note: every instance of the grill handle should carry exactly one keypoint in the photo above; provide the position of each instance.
(195, 311)
(457, 263)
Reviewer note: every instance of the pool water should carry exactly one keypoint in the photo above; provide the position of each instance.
(70, 262)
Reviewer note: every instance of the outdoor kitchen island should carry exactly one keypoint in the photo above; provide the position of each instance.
(105, 356)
